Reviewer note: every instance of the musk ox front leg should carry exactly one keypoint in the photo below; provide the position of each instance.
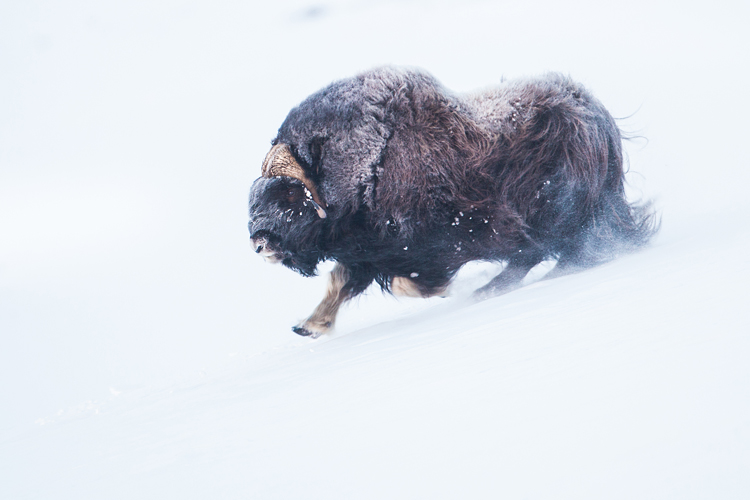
(322, 319)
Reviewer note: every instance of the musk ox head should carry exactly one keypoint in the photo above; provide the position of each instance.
(323, 165)
(285, 211)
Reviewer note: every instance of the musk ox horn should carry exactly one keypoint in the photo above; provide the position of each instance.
(280, 162)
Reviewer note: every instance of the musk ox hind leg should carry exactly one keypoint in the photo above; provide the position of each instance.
(406, 287)
(509, 279)
(565, 266)
(322, 319)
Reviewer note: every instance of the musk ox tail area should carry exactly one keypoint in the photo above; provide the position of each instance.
(616, 226)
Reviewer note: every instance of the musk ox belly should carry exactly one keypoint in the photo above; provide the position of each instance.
(431, 256)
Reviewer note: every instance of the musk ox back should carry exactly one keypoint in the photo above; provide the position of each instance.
(402, 182)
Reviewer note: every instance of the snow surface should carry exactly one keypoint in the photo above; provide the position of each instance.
(147, 351)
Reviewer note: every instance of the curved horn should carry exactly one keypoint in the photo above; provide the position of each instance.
(280, 162)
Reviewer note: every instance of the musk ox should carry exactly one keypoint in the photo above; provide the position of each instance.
(401, 182)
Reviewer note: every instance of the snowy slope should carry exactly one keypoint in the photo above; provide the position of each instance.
(148, 352)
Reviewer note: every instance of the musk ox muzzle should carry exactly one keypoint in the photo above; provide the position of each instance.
(262, 245)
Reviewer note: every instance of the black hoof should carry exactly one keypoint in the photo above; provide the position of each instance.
(301, 331)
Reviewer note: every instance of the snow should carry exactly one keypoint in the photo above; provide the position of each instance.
(148, 351)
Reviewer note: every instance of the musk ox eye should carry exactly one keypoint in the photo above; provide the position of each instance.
(294, 194)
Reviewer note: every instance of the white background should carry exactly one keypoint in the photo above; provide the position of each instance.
(147, 352)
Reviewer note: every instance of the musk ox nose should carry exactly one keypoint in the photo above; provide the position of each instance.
(258, 244)
(265, 249)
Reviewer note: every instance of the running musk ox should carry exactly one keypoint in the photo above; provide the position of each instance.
(402, 182)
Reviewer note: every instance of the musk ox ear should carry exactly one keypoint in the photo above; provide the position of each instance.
(280, 162)
(316, 152)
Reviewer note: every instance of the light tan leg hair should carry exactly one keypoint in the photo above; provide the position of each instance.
(324, 316)
(405, 287)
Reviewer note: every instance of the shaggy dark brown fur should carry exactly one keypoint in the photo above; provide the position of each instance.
(418, 181)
